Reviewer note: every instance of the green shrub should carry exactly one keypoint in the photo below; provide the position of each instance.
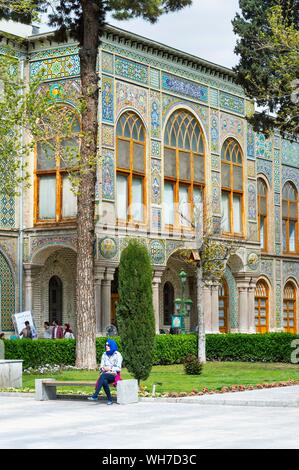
(192, 365)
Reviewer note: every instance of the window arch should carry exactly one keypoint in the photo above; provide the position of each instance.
(262, 204)
(184, 172)
(262, 307)
(223, 302)
(289, 307)
(57, 153)
(290, 218)
(232, 187)
(131, 164)
(168, 302)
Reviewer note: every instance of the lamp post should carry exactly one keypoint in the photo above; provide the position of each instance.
(182, 305)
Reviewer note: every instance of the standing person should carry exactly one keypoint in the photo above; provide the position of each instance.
(57, 330)
(47, 332)
(26, 331)
(110, 367)
(68, 332)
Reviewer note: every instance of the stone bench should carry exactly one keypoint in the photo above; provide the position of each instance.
(11, 373)
(126, 390)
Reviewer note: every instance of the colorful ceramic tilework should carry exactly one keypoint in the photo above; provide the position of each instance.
(108, 185)
(264, 167)
(201, 112)
(65, 91)
(51, 69)
(250, 142)
(157, 251)
(277, 212)
(233, 298)
(155, 110)
(55, 52)
(155, 148)
(264, 147)
(290, 269)
(131, 96)
(107, 99)
(107, 135)
(215, 162)
(290, 153)
(184, 87)
(156, 181)
(154, 78)
(277, 169)
(251, 201)
(132, 70)
(7, 295)
(7, 212)
(231, 126)
(214, 131)
(231, 103)
(278, 305)
(107, 63)
(156, 219)
(214, 98)
(267, 268)
(216, 192)
(251, 169)
(290, 174)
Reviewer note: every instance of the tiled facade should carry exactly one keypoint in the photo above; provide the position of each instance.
(152, 81)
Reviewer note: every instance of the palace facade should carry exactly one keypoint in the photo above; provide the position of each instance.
(173, 144)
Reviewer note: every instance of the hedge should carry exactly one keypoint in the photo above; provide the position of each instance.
(169, 349)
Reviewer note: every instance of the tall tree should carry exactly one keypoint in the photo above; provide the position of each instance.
(84, 20)
(269, 61)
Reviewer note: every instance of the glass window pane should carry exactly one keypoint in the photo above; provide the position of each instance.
(225, 212)
(139, 157)
(238, 178)
(237, 214)
(262, 231)
(46, 155)
(263, 206)
(69, 149)
(225, 175)
(199, 169)
(169, 162)
(184, 206)
(285, 211)
(47, 197)
(137, 199)
(123, 154)
(69, 199)
(168, 204)
(184, 162)
(292, 236)
(293, 210)
(122, 196)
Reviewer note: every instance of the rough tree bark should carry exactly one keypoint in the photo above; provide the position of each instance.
(86, 318)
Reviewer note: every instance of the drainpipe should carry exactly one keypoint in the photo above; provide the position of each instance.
(21, 233)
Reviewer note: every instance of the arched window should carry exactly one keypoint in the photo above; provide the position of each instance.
(184, 171)
(55, 299)
(290, 218)
(262, 201)
(261, 307)
(130, 157)
(232, 187)
(168, 302)
(223, 307)
(289, 308)
(56, 156)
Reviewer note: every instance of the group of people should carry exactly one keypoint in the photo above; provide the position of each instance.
(56, 331)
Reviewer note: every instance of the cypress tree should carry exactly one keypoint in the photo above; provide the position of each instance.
(135, 313)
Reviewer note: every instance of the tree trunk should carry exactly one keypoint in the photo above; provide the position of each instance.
(200, 316)
(86, 318)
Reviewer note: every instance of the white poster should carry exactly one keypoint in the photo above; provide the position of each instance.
(19, 322)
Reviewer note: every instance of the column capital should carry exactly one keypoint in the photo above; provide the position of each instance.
(109, 274)
(157, 276)
(31, 269)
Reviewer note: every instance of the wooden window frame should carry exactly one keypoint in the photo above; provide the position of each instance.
(225, 297)
(58, 172)
(286, 300)
(190, 184)
(264, 248)
(257, 308)
(131, 173)
(230, 144)
(287, 222)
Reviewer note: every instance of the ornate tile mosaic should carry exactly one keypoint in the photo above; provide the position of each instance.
(108, 248)
(290, 269)
(107, 63)
(217, 221)
(278, 305)
(170, 102)
(156, 181)
(251, 169)
(157, 251)
(171, 246)
(55, 52)
(107, 135)
(264, 167)
(231, 126)
(290, 174)
(250, 142)
(278, 265)
(154, 78)
(231, 103)
(131, 70)
(108, 185)
(155, 110)
(107, 99)
(131, 96)
(277, 169)
(51, 69)
(267, 268)
(251, 201)
(184, 87)
(233, 298)
(156, 219)
(252, 231)
(277, 141)
(214, 131)
(156, 148)
(8, 295)
(264, 147)
(215, 162)
(214, 97)
(216, 186)
(290, 153)
(7, 212)
(65, 91)
(277, 230)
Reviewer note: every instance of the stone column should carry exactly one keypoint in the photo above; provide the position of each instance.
(106, 298)
(251, 309)
(156, 303)
(30, 271)
(98, 277)
(215, 308)
(243, 307)
(207, 308)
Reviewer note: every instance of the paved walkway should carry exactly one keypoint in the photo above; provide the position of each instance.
(68, 424)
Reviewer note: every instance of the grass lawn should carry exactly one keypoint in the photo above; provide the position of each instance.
(215, 376)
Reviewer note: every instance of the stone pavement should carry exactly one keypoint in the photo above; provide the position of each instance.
(154, 424)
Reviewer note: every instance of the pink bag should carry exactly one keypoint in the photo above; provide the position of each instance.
(116, 379)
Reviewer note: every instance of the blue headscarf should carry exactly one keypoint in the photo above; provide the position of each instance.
(113, 347)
